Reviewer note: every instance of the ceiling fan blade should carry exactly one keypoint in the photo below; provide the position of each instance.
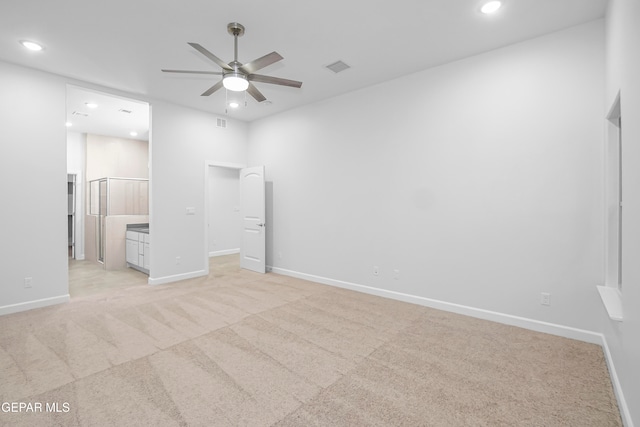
(274, 80)
(260, 63)
(214, 73)
(211, 56)
(212, 89)
(253, 91)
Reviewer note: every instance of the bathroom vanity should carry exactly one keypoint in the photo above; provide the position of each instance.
(138, 244)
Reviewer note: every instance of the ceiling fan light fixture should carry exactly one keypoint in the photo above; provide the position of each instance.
(235, 81)
(491, 7)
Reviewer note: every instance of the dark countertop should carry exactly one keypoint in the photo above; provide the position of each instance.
(140, 228)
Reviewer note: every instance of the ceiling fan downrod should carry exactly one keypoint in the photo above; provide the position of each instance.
(236, 30)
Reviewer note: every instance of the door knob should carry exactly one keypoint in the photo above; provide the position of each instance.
(260, 225)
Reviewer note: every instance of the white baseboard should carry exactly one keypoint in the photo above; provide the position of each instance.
(522, 322)
(617, 388)
(224, 252)
(534, 325)
(30, 305)
(176, 277)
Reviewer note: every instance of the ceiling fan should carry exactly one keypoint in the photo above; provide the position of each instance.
(237, 76)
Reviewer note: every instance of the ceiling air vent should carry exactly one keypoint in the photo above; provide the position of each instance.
(78, 113)
(122, 110)
(338, 66)
(221, 123)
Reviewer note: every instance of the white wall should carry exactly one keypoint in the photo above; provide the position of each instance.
(224, 213)
(110, 156)
(182, 139)
(76, 159)
(623, 75)
(480, 181)
(33, 178)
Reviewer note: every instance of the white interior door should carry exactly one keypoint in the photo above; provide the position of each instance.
(252, 211)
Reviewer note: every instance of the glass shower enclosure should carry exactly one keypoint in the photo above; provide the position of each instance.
(113, 196)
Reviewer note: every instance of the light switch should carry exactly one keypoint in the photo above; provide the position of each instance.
(191, 211)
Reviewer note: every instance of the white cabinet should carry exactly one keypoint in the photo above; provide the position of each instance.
(138, 250)
(146, 255)
(132, 251)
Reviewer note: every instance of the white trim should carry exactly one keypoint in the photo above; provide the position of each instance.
(507, 319)
(617, 388)
(612, 300)
(30, 305)
(177, 277)
(226, 164)
(224, 252)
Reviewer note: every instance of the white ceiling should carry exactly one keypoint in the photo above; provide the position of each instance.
(112, 116)
(123, 44)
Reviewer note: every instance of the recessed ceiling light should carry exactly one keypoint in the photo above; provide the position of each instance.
(91, 105)
(68, 124)
(31, 45)
(133, 133)
(234, 104)
(491, 7)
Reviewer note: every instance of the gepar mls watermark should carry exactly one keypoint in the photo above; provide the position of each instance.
(35, 407)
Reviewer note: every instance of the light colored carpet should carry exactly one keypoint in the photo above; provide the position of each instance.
(239, 348)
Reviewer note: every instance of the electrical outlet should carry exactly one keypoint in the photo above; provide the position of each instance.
(28, 281)
(178, 260)
(545, 298)
(396, 274)
(376, 270)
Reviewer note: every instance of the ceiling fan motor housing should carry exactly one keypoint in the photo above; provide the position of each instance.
(235, 29)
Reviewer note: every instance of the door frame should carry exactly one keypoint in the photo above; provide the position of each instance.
(207, 165)
(79, 215)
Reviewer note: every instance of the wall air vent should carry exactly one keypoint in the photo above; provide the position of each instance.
(78, 113)
(122, 110)
(221, 123)
(338, 66)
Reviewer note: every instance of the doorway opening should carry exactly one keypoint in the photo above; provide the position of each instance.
(222, 202)
(108, 172)
(235, 214)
